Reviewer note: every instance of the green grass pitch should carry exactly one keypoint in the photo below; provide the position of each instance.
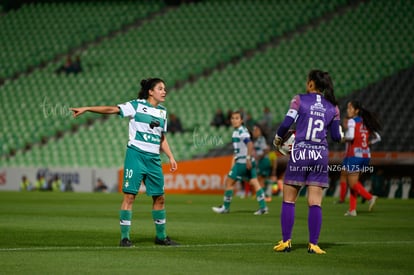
(78, 233)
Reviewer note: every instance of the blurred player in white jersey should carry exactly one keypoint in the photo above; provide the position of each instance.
(264, 166)
(243, 167)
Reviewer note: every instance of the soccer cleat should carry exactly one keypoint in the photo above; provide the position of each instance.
(166, 241)
(315, 249)
(220, 210)
(372, 203)
(351, 213)
(261, 211)
(283, 246)
(125, 242)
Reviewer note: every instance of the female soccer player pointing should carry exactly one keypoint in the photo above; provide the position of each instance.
(147, 125)
(314, 113)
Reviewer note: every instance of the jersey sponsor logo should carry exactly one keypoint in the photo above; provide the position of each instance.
(151, 138)
(361, 152)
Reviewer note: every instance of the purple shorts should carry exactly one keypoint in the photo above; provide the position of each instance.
(308, 165)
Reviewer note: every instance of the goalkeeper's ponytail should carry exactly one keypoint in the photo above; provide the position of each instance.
(324, 84)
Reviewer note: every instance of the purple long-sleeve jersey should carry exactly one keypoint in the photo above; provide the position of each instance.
(314, 116)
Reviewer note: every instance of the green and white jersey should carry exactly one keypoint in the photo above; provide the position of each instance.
(141, 114)
(260, 145)
(240, 138)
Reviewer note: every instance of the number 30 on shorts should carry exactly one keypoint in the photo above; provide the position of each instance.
(128, 173)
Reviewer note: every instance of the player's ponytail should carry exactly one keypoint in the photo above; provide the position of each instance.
(369, 118)
(146, 85)
(324, 84)
(328, 92)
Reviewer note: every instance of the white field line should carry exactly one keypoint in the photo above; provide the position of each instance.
(71, 248)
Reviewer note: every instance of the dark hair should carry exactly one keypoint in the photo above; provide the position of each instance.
(240, 113)
(324, 84)
(262, 130)
(368, 118)
(146, 85)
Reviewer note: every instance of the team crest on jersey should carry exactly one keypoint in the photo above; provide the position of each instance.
(162, 114)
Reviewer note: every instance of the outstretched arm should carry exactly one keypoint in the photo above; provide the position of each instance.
(95, 109)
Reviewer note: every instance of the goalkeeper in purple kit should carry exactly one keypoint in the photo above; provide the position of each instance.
(314, 113)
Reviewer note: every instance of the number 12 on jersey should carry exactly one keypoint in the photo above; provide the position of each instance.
(314, 127)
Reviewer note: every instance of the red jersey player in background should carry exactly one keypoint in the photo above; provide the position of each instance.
(362, 131)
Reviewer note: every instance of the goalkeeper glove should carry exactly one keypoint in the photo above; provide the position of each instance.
(277, 141)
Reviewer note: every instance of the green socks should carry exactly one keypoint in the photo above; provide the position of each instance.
(228, 194)
(125, 217)
(159, 220)
(260, 197)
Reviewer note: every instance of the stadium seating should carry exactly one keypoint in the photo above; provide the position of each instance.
(38, 32)
(110, 67)
(187, 41)
(390, 99)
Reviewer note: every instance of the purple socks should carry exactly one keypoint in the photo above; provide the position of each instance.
(287, 219)
(314, 223)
